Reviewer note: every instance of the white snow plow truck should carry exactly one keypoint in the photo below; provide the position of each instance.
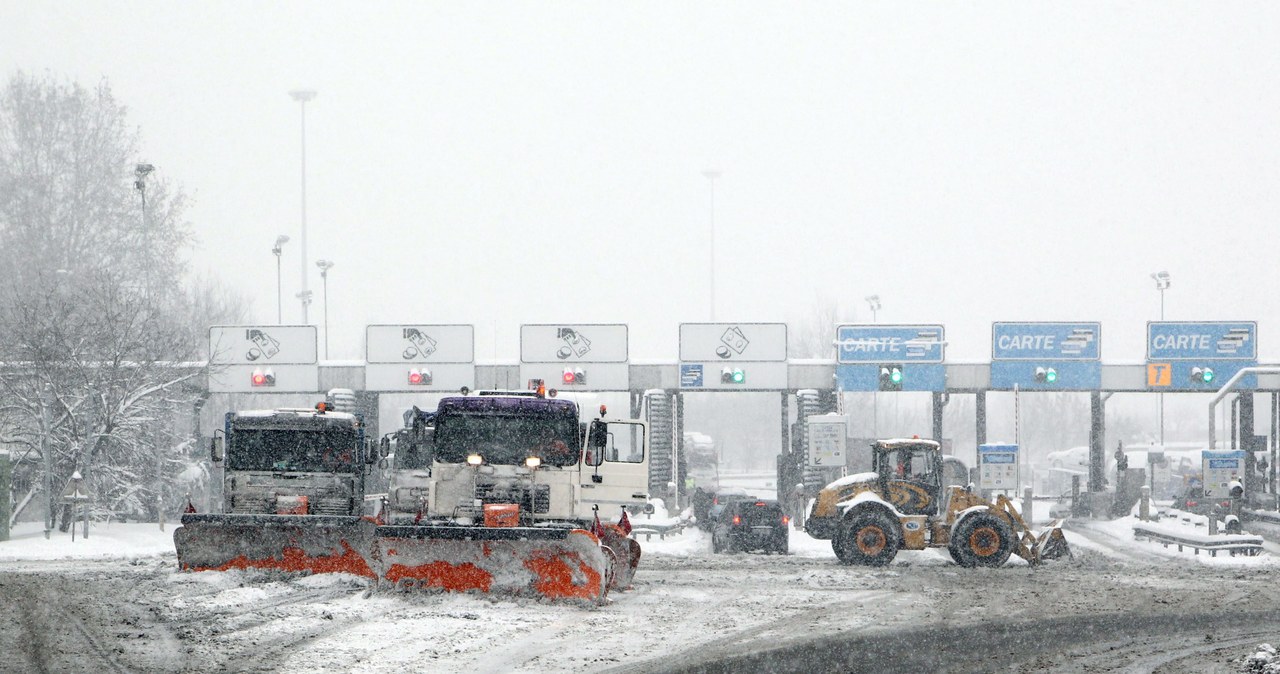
(502, 492)
(293, 494)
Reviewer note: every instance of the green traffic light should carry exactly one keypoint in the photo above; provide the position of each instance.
(1051, 375)
(896, 376)
(739, 376)
(1207, 375)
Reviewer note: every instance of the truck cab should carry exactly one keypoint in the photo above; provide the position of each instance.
(515, 449)
(293, 461)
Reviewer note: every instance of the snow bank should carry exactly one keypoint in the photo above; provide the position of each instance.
(1120, 535)
(106, 541)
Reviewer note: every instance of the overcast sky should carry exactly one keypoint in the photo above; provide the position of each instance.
(508, 163)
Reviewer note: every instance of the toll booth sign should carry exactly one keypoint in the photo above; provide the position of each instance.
(1220, 468)
(998, 467)
(827, 436)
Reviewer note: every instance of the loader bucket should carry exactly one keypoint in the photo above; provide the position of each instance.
(545, 563)
(294, 543)
(1052, 544)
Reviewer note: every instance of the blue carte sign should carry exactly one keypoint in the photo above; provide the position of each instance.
(1223, 340)
(1046, 341)
(890, 343)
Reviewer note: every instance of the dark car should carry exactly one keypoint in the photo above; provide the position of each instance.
(718, 501)
(751, 525)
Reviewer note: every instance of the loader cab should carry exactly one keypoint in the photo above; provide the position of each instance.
(910, 472)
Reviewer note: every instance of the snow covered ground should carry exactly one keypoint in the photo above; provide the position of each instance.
(689, 607)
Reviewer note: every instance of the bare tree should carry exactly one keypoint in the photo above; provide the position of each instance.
(94, 308)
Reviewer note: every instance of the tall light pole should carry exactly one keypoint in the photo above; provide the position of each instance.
(873, 301)
(711, 175)
(1162, 280)
(140, 173)
(302, 96)
(277, 250)
(325, 266)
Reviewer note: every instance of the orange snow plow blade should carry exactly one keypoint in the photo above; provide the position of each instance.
(294, 543)
(546, 563)
(625, 556)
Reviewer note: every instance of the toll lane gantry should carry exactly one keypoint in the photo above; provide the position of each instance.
(407, 364)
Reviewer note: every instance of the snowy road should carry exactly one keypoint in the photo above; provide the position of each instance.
(1116, 607)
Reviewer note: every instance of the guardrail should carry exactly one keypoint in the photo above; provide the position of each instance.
(661, 528)
(1247, 544)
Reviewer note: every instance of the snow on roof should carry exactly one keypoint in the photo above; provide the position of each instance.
(909, 441)
(244, 414)
(853, 479)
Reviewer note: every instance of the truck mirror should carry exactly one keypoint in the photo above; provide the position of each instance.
(215, 449)
(384, 447)
(598, 435)
(370, 455)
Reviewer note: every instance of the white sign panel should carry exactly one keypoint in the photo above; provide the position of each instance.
(262, 344)
(827, 437)
(578, 376)
(420, 344)
(573, 343)
(420, 377)
(731, 376)
(264, 378)
(733, 342)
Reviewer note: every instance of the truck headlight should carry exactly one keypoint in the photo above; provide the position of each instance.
(533, 462)
(474, 459)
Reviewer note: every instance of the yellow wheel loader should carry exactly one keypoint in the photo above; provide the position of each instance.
(904, 505)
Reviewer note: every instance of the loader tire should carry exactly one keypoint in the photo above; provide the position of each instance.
(868, 538)
(982, 539)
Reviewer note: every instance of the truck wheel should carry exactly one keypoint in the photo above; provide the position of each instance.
(982, 539)
(869, 538)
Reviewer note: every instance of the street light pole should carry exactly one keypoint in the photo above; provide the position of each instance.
(711, 175)
(325, 266)
(1162, 280)
(277, 250)
(46, 456)
(140, 172)
(302, 96)
(873, 301)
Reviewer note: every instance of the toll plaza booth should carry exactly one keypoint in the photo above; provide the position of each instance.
(998, 469)
(1220, 469)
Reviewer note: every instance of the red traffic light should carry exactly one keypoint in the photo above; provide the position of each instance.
(419, 377)
(260, 378)
(574, 376)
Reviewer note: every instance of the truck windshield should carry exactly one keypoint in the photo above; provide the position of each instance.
(412, 452)
(507, 440)
(332, 450)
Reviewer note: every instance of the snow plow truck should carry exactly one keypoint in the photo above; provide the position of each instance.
(293, 494)
(502, 492)
(904, 505)
(492, 492)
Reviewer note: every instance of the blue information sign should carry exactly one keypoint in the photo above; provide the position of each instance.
(915, 377)
(1046, 341)
(1224, 340)
(690, 375)
(1046, 375)
(890, 343)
